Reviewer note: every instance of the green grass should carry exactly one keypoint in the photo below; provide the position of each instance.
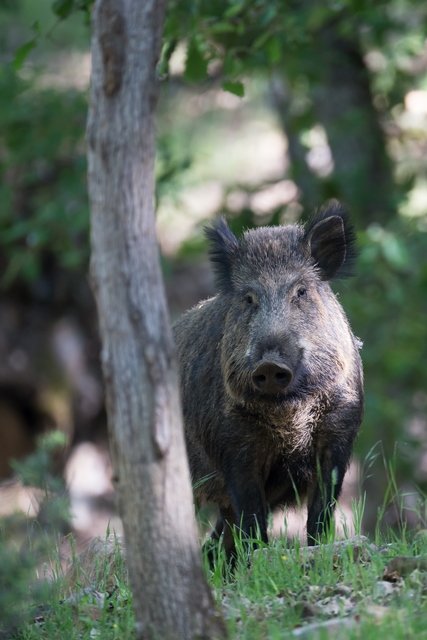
(351, 588)
(90, 597)
(289, 586)
(287, 591)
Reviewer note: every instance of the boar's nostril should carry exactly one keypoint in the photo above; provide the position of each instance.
(283, 376)
(259, 379)
(271, 377)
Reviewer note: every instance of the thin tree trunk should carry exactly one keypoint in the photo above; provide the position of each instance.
(343, 101)
(299, 171)
(340, 93)
(171, 597)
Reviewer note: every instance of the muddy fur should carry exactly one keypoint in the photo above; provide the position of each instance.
(257, 450)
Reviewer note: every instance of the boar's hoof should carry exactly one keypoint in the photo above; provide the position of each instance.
(271, 378)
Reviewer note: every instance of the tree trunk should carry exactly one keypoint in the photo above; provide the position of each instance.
(299, 171)
(171, 597)
(343, 102)
(340, 93)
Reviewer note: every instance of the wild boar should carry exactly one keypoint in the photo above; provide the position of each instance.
(271, 377)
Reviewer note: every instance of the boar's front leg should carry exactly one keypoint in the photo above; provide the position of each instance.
(247, 519)
(247, 497)
(332, 462)
(323, 496)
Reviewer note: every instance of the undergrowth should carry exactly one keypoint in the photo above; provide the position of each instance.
(351, 588)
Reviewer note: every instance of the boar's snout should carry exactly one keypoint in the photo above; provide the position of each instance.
(271, 376)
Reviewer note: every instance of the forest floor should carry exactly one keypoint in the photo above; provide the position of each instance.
(353, 588)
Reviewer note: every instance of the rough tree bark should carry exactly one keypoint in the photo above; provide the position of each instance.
(171, 597)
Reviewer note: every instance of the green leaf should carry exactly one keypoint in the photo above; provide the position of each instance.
(196, 66)
(235, 87)
(274, 50)
(165, 56)
(22, 53)
(234, 10)
(232, 66)
(62, 8)
(222, 27)
(261, 40)
(269, 15)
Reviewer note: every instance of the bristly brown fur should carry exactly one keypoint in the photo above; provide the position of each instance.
(271, 376)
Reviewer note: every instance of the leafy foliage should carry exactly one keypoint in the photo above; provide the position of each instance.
(44, 208)
(64, 8)
(316, 56)
(244, 35)
(387, 303)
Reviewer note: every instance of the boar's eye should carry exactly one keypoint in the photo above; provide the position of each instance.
(249, 298)
(301, 292)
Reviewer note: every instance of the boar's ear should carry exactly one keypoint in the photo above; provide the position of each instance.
(331, 240)
(223, 248)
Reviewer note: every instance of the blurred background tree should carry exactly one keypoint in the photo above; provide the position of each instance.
(267, 109)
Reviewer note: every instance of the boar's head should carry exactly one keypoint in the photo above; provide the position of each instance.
(285, 334)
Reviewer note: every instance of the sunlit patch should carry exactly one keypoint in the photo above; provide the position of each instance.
(416, 102)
